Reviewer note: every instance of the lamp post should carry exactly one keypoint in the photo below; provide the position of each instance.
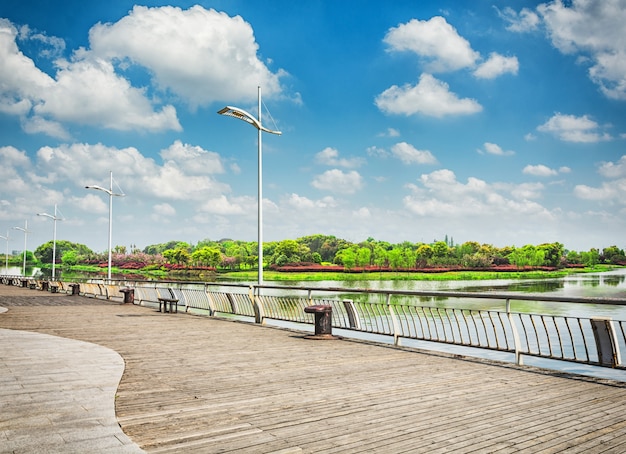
(241, 114)
(6, 256)
(54, 236)
(111, 195)
(25, 230)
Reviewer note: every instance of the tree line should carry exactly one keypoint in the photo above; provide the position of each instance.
(231, 254)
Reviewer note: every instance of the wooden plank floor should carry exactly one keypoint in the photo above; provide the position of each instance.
(196, 384)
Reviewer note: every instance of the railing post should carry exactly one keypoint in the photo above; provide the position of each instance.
(519, 360)
(209, 296)
(353, 317)
(257, 305)
(394, 321)
(606, 342)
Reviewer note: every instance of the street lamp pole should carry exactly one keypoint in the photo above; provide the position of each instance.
(54, 236)
(256, 122)
(111, 195)
(25, 230)
(6, 256)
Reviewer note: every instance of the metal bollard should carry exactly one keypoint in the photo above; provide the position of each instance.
(323, 321)
(129, 295)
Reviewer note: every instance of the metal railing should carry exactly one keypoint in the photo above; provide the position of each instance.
(400, 315)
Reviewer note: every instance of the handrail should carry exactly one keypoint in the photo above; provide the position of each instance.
(594, 341)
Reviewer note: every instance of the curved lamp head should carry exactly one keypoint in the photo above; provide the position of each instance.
(108, 191)
(241, 114)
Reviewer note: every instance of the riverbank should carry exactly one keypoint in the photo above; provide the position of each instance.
(95, 272)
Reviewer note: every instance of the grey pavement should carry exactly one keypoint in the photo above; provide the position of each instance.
(57, 395)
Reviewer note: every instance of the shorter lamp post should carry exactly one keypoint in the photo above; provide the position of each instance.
(111, 195)
(6, 256)
(54, 236)
(25, 230)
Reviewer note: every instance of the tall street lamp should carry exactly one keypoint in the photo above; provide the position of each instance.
(25, 230)
(6, 256)
(248, 118)
(111, 195)
(54, 236)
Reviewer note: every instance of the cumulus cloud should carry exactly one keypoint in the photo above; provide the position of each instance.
(435, 40)
(611, 191)
(194, 55)
(539, 170)
(164, 209)
(495, 149)
(302, 203)
(408, 154)
(338, 181)
(613, 169)
(496, 65)
(430, 97)
(330, 157)
(440, 194)
(524, 21)
(390, 132)
(594, 29)
(571, 128)
(193, 159)
(192, 58)
(87, 164)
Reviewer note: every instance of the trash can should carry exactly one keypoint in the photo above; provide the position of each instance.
(75, 289)
(129, 295)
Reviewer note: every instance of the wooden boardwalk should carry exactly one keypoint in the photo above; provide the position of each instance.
(196, 384)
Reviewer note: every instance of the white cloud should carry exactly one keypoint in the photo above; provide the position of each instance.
(441, 195)
(574, 129)
(408, 154)
(430, 97)
(330, 157)
(92, 203)
(193, 159)
(497, 65)
(88, 91)
(163, 209)
(12, 157)
(377, 152)
(539, 170)
(90, 164)
(435, 40)
(193, 57)
(611, 191)
(302, 203)
(196, 53)
(524, 21)
(492, 148)
(595, 29)
(390, 132)
(613, 170)
(221, 205)
(338, 181)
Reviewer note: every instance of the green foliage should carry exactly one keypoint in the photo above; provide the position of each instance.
(45, 251)
(70, 258)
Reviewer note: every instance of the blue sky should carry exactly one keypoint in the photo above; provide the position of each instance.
(490, 121)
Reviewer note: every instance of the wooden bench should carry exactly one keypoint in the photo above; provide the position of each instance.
(173, 302)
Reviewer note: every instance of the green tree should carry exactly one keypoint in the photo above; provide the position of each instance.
(209, 256)
(44, 251)
(363, 256)
(69, 258)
